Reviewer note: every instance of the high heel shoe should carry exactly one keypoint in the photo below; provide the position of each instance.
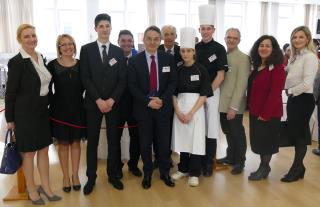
(66, 189)
(50, 198)
(39, 201)
(261, 173)
(75, 187)
(294, 174)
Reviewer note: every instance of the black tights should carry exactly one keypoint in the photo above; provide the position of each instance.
(265, 160)
(300, 153)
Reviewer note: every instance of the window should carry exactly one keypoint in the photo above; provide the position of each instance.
(55, 17)
(125, 14)
(287, 22)
(183, 13)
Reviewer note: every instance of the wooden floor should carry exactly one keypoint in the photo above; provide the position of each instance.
(222, 189)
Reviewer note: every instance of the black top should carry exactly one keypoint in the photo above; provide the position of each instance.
(212, 56)
(66, 104)
(193, 79)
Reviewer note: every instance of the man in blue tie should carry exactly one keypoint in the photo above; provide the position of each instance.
(152, 81)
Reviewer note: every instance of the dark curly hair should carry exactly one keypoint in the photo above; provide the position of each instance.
(275, 58)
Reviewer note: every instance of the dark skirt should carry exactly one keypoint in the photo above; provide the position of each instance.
(33, 127)
(264, 135)
(299, 110)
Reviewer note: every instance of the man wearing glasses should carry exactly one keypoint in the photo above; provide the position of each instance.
(152, 81)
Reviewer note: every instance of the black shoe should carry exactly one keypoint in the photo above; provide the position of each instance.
(75, 187)
(135, 171)
(66, 189)
(167, 180)
(146, 182)
(207, 171)
(237, 169)
(261, 173)
(294, 174)
(88, 188)
(225, 161)
(119, 175)
(117, 184)
(155, 164)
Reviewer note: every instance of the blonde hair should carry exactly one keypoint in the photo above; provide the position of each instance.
(21, 28)
(307, 32)
(58, 45)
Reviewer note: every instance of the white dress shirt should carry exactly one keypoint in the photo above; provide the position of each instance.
(44, 74)
(301, 69)
(101, 48)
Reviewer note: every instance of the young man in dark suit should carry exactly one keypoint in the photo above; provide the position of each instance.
(104, 78)
(152, 81)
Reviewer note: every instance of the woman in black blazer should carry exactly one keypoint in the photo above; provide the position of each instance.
(27, 111)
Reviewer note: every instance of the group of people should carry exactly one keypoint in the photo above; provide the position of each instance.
(171, 97)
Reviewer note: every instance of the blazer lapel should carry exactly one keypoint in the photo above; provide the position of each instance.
(96, 53)
(145, 69)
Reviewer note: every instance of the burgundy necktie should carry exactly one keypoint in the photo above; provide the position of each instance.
(153, 75)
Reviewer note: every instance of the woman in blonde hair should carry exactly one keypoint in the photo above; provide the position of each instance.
(66, 108)
(301, 69)
(27, 111)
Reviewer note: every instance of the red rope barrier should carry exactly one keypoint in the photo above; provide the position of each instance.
(78, 126)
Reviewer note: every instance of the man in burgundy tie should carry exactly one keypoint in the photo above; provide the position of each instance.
(152, 81)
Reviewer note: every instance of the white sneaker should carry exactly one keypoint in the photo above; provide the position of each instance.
(178, 175)
(193, 181)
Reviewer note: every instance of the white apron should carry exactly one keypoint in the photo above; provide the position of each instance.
(212, 115)
(189, 137)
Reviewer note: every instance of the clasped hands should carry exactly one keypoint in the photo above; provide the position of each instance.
(105, 105)
(184, 118)
(155, 102)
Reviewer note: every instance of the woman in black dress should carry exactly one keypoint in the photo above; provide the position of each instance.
(66, 108)
(27, 111)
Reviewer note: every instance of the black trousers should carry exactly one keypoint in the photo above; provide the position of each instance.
(155, 128)
(211, 149)
(236, 138)
(190, 163)
(299, 111)
(134, 148)
(94, 118)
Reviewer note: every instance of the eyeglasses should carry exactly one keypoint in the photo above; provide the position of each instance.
(66, 44)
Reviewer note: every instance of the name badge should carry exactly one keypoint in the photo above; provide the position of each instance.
(194, 77)
(212, 58)
(179, 63)
(166, 69)
(112, 62)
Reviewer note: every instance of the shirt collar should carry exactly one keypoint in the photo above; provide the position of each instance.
(106, 44)
(24, 54)
(148, 54)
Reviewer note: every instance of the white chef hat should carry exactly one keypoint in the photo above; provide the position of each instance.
(187, 37)
(207, 14)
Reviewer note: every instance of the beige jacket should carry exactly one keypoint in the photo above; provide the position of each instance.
(233, 88)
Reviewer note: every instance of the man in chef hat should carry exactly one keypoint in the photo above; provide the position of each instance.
(213, 56)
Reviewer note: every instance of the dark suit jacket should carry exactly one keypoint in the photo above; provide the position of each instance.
(102, 80)
(22, 90)
(139, 84)
(177, 56)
